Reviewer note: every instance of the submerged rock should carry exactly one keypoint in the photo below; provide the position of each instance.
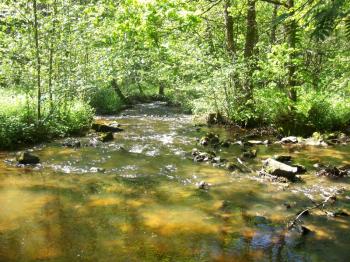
(259, 220)
(279, 169)
(249, 153)
(203, 185)
(114, 127)
(300, 229)
(71, 142)
(225, 143)
(237, 166)
(332, 172)
(283, 158)
(271, 178)
(106, 137)
(210, 139)
(289, 140)
(287, 205)
(94, 142)
(26, 158)
(295, 235)
(337, 213)
(227, 205)
(230, 166)
(202, 156)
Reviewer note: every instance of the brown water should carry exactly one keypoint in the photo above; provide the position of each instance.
(146, 206)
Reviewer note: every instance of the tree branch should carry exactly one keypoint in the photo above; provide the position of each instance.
(317, 205)
(276, 2)
(210, 7)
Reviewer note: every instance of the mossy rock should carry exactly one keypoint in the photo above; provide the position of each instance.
(26, 158)
(114, 127)
(106, 137)
(250, 153)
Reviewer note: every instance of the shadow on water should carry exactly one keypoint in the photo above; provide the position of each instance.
(145, 205)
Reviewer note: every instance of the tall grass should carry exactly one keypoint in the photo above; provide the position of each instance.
(18, 123)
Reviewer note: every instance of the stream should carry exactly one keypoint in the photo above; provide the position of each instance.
(136, 198)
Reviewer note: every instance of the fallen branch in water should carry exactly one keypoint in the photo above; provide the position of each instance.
(322, 204)
(241, 162)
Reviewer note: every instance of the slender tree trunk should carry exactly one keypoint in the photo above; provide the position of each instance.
(137, 80)
(274, 25)
(38, 66)
(252, 34)
(119, 93)
(250, 44)
(161, 89)
(51, 54)
(230, 42)
(291, 31)
(50, 75)
(209, 36)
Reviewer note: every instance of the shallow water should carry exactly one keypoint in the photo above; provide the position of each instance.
(145, 206)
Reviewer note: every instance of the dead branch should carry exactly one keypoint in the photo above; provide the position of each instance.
(322, 204)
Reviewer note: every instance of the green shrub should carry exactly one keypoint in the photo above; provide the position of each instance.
(105, 101)
(18, 124)
(314, 110)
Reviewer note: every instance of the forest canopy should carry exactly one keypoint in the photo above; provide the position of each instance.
(280, 63)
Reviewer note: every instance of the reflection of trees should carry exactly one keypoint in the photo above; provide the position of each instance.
(76, 229)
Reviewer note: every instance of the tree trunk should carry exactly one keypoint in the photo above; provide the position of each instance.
(38, 62)
(50, 75)
(251, 35)
(250, 43)
(291, 31)
(51, 54)
(161, 89)
(230, 43)
(119, 93)
(274, 25)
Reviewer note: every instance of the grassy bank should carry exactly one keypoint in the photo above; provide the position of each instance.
(19, 125)
(313, 111)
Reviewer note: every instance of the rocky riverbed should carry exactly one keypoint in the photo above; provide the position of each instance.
(149, 185)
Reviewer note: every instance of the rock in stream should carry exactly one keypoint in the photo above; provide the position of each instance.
(106, 128)
(279, 169)
(26, 158)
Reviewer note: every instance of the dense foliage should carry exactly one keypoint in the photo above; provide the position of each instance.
(257, 62)
(18, 120)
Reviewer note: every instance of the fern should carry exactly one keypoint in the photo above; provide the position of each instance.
(347, 26)
(327, 15)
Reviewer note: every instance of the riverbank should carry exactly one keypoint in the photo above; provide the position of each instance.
(20, 128)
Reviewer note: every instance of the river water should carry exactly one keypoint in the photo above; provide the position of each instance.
(136, 199)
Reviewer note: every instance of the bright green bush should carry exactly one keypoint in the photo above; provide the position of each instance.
(270, 104)
(315, 110)
(18, 124)
(105, 101)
